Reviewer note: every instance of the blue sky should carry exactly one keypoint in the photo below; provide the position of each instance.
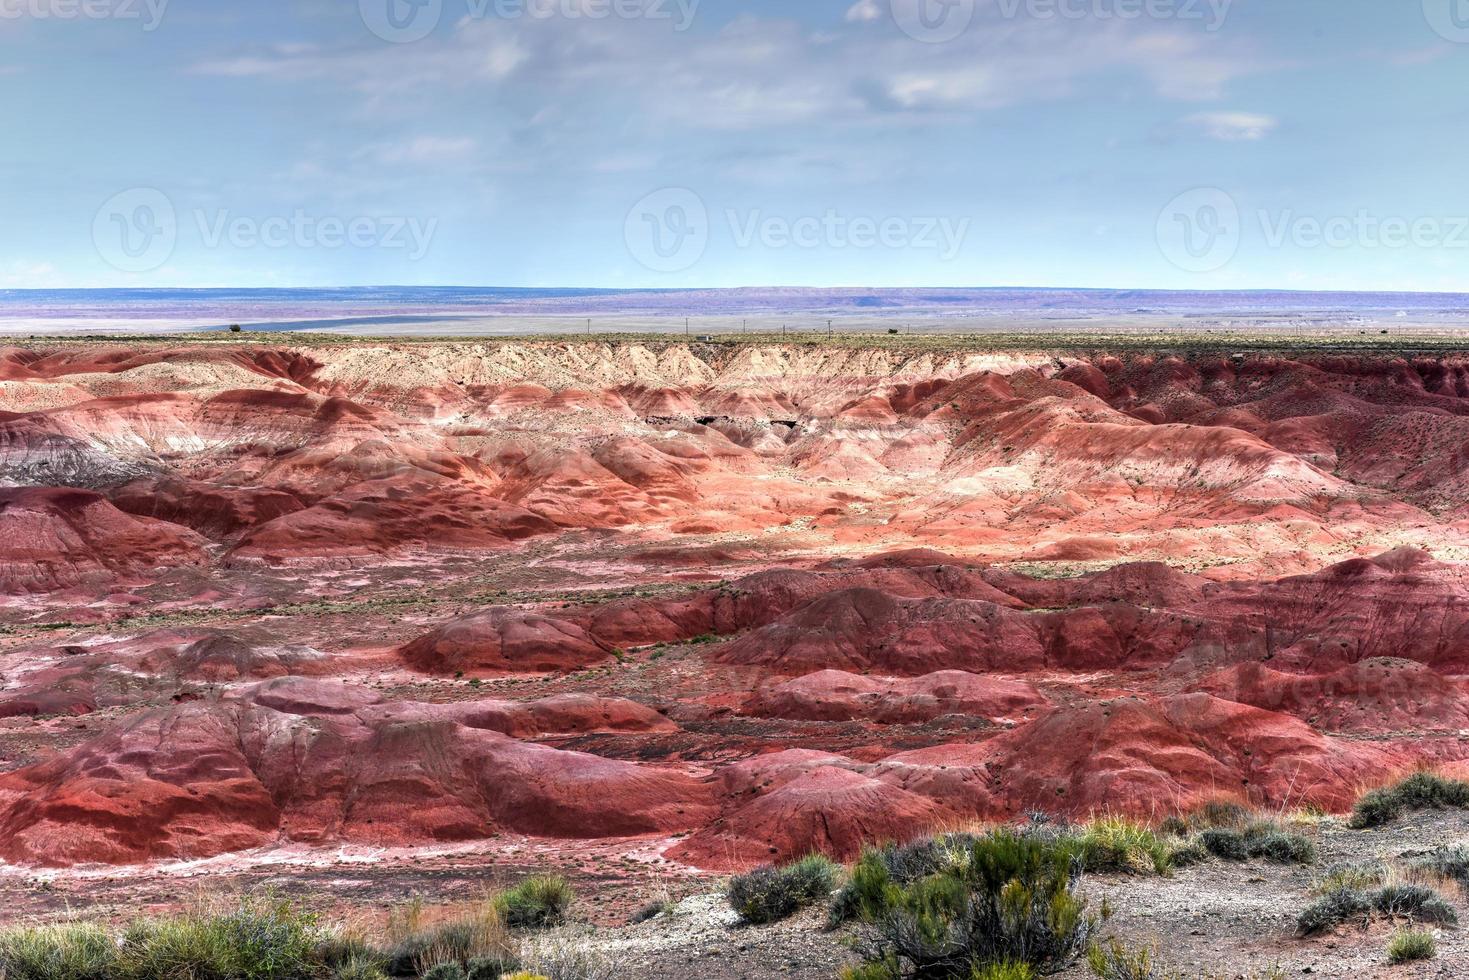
(1191, 144)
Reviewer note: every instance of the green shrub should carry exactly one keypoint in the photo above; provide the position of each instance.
(1414, 902)
(1332, 909)
(886, 969)
(1116, 962)
(490, 967)
(1261, 839)
(1283, 848)
(72, 951)
(770, 894)
(359, 969)
(478, 935)
(1399, 901)
(1003, 971)
(1409, 945)
(1226, 844)
(1420, 791)
(1355, 877)
(254, 941)
(1190, 853)
(444, 971)
(536, 903)
(1007, 898)
(1117, 845)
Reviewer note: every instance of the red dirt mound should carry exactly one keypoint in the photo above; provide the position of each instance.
(1376, 696)
(833, 695)
(827, 810)
(54, 538)
(1167, 756)
(387, 518)
(207, 778)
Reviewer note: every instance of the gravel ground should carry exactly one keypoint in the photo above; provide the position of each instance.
(1215, 920)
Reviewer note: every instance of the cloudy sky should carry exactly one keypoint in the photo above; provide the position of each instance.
(1193, 144)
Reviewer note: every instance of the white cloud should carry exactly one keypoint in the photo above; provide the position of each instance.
(425, 150)
(30, 275)
(1232, 127)
(757, 72)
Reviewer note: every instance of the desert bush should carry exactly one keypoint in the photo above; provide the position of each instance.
(478, 935)
(537, 902)
(1260, 839)
(1409, 945)
(1448, 862)
(1414, 902)
(444, 971)
(364, 968)
(1116, 962)
(1004, 971)
(1008, 898)
(1114, 844)
(1420, 791)
(1332, 909)
(1353, 877)
(1229, 814)
(256, 940)
(1188, 853)
(1226, 844)
(770, 894)
(1283, 848)
(251, 940)
(71, 951)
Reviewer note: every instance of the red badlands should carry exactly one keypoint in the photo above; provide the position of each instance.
(734, 601)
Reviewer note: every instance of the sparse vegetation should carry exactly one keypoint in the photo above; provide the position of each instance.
(536, 902)
(990, 901)
(1420, 791)
(1411, 945)
(1408, 901)
(1115, 961)
(1447, 862)
(1260, 839)
(478, 935)
(1114, 844)
(252, 940)
(770, 894)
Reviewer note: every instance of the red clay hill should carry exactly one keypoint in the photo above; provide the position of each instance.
(737, 602)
